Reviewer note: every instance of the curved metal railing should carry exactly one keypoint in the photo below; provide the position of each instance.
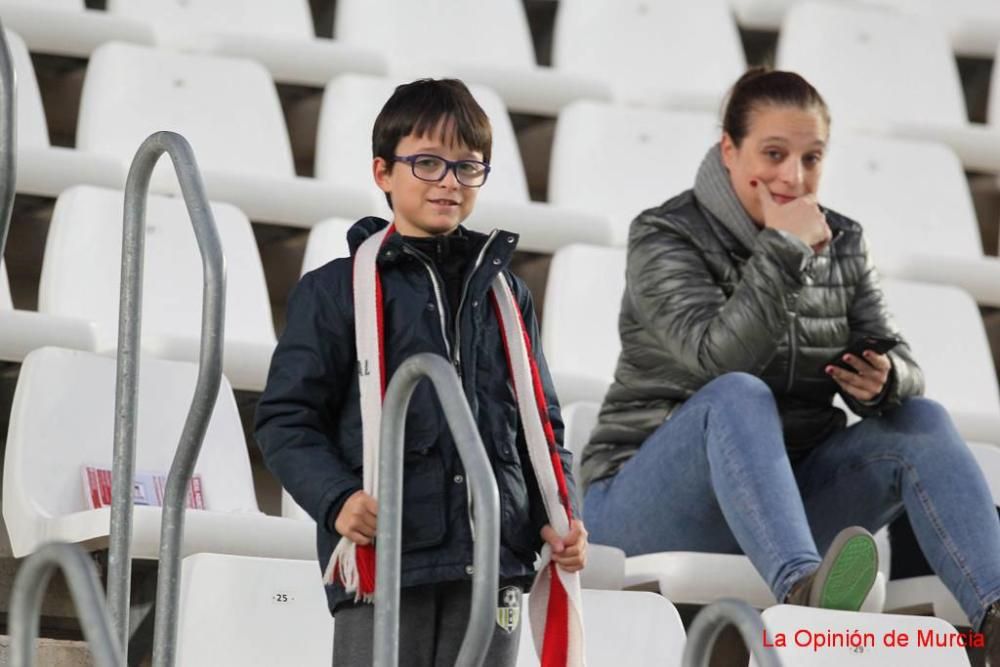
(485, 502)
(713, 619)
(85, 588)
(127, 386)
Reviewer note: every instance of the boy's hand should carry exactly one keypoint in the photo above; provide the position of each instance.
(569, 553)
(356, 520)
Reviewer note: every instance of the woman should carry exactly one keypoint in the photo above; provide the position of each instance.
(718, 433)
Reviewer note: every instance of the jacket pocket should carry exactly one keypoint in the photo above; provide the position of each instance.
(424, 497)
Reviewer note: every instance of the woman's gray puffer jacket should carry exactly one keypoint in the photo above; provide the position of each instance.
(699, 303)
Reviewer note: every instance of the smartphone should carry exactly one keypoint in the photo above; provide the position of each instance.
(873, 343)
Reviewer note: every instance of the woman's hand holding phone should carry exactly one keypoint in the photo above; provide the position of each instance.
(866, 381)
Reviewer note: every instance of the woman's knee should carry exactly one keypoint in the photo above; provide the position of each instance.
(922, 416)
(738, 387)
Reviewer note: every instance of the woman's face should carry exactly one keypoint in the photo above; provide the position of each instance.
(783, 149)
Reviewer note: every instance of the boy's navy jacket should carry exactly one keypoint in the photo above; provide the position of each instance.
(308, 421)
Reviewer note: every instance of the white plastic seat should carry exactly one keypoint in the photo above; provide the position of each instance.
(343, 157)
(621, 628)
(44, 169)
(624, 45)
(791, 619)
(894, 74)
(973, 26)
(68, 28)
(327, 241)
(929, 591)
(227, 108)
(237, 611)
(479, 42)
(619, 162)
(81, 278)
(913, 201)
(62, 418)
(23, 330)
(945, 332)
(583, 298)
(760, 14)
(277, 33)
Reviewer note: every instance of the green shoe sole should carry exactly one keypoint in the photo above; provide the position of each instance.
(844, 581)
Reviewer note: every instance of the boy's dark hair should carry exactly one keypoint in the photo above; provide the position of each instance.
(759, 87)
(420, 106)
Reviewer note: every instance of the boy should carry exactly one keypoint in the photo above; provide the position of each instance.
(431, 145)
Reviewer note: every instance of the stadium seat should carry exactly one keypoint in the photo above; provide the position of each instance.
(62, 419)
(894, 74)
(227, 108)
(44, 169)
(913, 201)
(81, 278)
(277, 33)
(624, 45)
(921, 593)
(946, 334)
(583, 297)
(618, 161)
(621, 628)
(68, 28)
(761, 14)
(829, 626)
(237, 611)
(23, 330)
(973, 26)
(343, 157)
(480, 42)
(327, 241)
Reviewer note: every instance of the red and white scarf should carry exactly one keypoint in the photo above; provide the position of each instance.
(555, 594)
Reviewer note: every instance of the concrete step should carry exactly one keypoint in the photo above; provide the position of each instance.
(53, 653)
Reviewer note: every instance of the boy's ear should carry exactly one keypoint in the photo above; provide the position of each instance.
(381, 172)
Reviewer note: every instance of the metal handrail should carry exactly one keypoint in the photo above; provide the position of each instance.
(126, 390)
(713, 619)
(8, 138)
(485, 502)
(84, 587)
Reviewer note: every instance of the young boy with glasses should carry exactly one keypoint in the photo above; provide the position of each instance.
(422, 283)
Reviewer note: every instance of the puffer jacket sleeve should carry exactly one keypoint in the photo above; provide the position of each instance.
(869, 316)
(310, 374)
(683, 306)
(527, 306)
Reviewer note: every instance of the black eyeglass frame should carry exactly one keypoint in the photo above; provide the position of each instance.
(449, 165)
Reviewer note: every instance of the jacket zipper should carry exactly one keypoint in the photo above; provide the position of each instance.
(457, 360)
(435, 283)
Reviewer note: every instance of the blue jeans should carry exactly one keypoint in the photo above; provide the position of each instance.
(715, 477)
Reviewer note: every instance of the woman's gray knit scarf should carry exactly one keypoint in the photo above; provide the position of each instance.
(714, 190)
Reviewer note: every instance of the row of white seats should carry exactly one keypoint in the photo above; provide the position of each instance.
(242, 147)
(250, 612)
(911, 197)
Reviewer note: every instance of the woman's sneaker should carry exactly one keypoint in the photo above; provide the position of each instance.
(845, 576)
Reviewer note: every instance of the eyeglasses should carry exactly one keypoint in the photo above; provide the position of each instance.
(431, 168)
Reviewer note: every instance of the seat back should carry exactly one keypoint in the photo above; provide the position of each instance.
(624, 44)
(271, 18)
(327, 241)
(619, 161)
(579, 420)
(6, 303)
(583, 298)
(945, 331)
(622, 628)
(344, 139)
(812, 625)
(81, 272)
(237, 610)
(31, 126)
(911, 197)
(492, 33)
(227, 108)
(889, 68)
(62, 419)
